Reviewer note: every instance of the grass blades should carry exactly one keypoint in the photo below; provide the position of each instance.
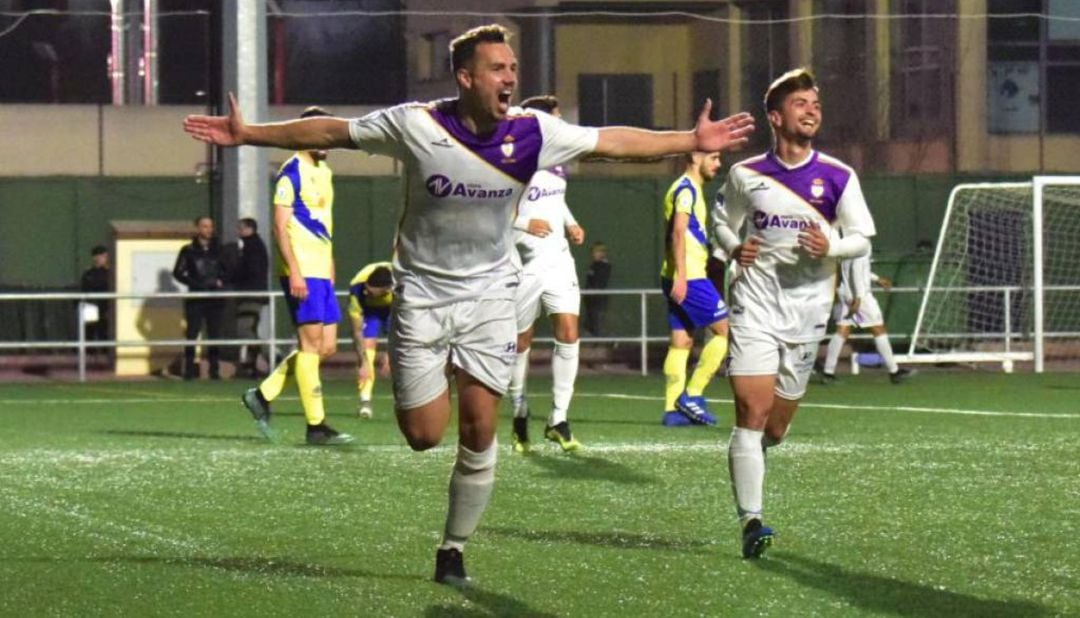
(953, 494)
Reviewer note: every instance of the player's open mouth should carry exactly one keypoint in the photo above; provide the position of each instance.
(504, 98)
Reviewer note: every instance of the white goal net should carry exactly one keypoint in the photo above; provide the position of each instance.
(1005, 281)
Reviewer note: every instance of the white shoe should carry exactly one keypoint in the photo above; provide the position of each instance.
(364, 410)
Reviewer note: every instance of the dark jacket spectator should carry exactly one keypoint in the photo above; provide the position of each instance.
(199, 266)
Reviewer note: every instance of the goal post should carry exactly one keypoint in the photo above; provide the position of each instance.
(1005, 277)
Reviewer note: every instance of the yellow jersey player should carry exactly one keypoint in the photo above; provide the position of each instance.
(371, 293)
(303, 229)
(693, 301)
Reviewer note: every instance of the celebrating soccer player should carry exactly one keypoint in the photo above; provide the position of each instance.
(795, 202)
(467, 160)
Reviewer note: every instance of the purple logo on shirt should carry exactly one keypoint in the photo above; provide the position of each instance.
(764, 220)
(536, 193)
(441, 186)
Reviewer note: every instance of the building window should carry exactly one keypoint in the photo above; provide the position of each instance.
(765, 57)
(620, 99)
(707, 86)
(433, 56)
(842, 70)
(1033, 66)
(922, 76)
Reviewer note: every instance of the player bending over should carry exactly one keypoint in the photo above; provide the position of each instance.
(371, 293)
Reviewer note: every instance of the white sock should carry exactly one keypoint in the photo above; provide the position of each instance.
(747, 465)
(884, 348)
(564, 366)
(832, 354)
(518, 374)
(471, 483)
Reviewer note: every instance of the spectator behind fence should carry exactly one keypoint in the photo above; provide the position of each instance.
(199, 267)
(596, 278)
(252, 270)
(98, 278)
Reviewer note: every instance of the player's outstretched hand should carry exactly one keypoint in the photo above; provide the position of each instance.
(814, 242)
(220, 130)
(746, 253)
(731, 133)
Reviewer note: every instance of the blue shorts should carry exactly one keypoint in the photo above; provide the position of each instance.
(376, 321)
(702, 306)
(320, 306)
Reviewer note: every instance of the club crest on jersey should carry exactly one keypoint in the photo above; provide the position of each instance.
(507, 148)
(817, 187)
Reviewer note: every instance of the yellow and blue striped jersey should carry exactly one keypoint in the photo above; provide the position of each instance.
(307, 188)
(358, 301)
(685, 196)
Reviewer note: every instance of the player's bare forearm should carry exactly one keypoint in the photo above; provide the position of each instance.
(306, 134)
(320, 133)
(729, 133)
(631, 143)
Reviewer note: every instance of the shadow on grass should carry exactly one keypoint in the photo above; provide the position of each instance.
(610, 540)
(585, 468)
(181, 434)
(490, 604)
(258, 566)
(887, 596)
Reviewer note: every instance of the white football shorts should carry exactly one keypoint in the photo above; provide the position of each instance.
(757, 353)
(869, 313)
(475, 335)
(553, 288)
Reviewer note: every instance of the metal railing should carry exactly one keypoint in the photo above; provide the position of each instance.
(642, 338)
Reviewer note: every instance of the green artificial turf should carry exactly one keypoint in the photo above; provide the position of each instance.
(951, 495)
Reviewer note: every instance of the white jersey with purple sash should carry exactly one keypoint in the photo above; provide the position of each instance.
(454, 237)
(786, 292)
(544, 198)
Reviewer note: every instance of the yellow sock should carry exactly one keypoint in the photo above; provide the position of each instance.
(307, 380)
(274, 383)
(709, 363)
(675, 373)
(368, 385)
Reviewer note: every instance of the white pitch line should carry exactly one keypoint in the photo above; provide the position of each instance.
(826, 406)
(839, 406)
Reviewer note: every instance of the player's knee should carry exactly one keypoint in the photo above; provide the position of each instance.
(420, 441)
(567, 333)
(328, 349)
(774, 435)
